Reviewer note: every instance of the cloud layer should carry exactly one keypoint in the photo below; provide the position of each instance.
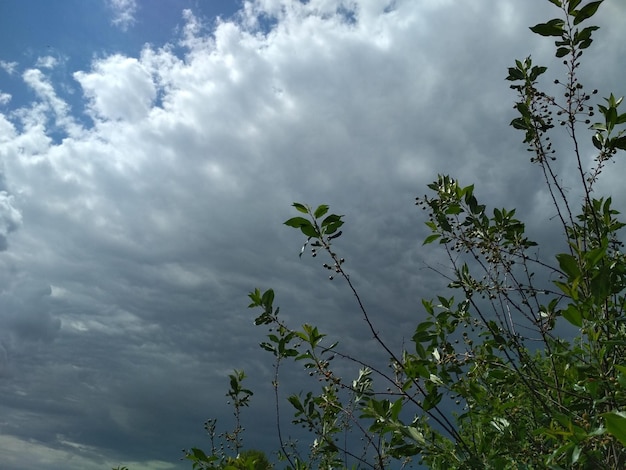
(135, 219)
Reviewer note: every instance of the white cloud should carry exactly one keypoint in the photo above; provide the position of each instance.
(119, 88)
(27, 454)
(8, 67)
(42, 86)
(123, 13)
(47, 62)
(4, 98)
(10, 217)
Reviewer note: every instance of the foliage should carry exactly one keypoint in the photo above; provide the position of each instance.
(524, 366)
(246, 460)
(219, 458)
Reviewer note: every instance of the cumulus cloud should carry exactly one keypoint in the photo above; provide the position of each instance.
(118, 87)
(44, 89)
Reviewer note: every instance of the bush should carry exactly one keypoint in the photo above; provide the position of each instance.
(494, 377)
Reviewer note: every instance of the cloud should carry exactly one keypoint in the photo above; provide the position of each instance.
(118, 88)
(8, 67)
(123, 13)
(142, 228)
(38, 82)
(47, 62)
(10, 218)
(28, 312)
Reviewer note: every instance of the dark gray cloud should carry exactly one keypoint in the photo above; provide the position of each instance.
(123, 293)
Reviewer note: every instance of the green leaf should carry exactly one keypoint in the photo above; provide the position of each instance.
(309, 231)
(536, 71)
(435, 379)
(551, 28)
(431, 238)
(572, 5)
(431, 400)
(415, 434)
(515, 74)
(332, 228)
(586, 12)
(200, 455)
(620, 143)
(611, 117)
(268, 297)
(616, 425)
(332, 218)
(304, 225)
(290, 353)
(320, 211)
(573, 315)
(454, 209)
(497, 215)
(556, 2)
(428, 306)
(297, 222)
(569, 265)
(598, 141)
(301, 207)
(584, 35)
(295, 402)
(562, 51)
(519, 123)
(612, 102)
(523, 109)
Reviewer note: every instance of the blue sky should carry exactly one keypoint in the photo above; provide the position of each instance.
(75, 32)
(150, 154)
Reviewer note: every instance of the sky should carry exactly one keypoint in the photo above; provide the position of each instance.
(150, 152)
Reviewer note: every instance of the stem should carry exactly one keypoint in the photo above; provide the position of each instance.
(440, 418)
(283, 447)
